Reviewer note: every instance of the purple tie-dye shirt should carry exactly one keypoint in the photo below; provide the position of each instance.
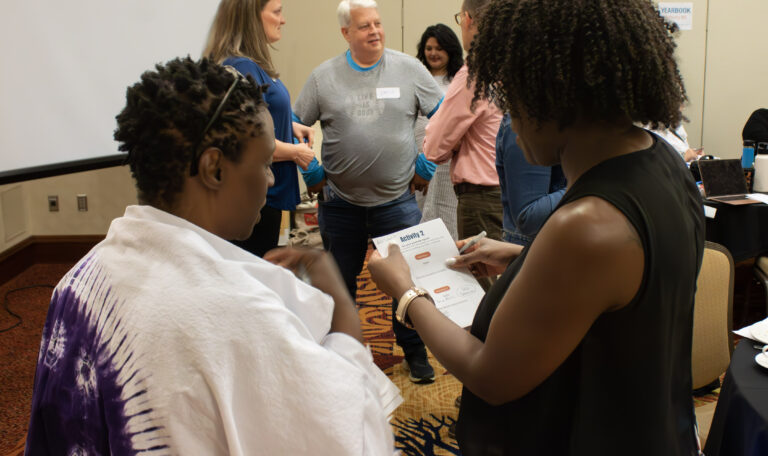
(82, 392)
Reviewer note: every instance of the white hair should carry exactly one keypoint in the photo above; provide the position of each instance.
(345, 6)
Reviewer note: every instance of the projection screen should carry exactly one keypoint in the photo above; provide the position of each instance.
(65, 69)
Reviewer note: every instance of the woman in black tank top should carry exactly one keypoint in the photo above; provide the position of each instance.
(599, 308)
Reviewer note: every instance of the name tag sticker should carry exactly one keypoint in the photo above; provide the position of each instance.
(383, 93)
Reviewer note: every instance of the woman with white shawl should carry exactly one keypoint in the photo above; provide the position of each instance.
(165, 337)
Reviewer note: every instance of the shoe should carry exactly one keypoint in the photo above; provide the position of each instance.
(416, 363)
(457, 402)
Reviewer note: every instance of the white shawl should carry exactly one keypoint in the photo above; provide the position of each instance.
(231, 353)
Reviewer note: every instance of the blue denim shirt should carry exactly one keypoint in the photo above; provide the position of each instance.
(528, 193)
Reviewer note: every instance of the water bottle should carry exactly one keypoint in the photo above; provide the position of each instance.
(760, 179)
(748, 154)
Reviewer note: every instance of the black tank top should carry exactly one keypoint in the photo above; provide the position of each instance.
(626, 388)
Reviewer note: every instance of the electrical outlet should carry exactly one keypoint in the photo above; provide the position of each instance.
(53, 203)
(82, 203)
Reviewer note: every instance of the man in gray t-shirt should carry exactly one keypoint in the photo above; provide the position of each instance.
(367, 101)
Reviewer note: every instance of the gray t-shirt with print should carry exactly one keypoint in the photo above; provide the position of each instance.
(367, 117)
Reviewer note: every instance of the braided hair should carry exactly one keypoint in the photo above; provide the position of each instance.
(162, 124)
(563, 60)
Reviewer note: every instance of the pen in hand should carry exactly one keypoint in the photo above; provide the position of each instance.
(472, 242)
(449, 262)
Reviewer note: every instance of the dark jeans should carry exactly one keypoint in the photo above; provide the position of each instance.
(265, 234)
(345, 229)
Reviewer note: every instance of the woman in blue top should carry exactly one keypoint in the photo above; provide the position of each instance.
(240, 36)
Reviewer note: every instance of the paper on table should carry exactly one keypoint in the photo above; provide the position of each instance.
(425, 248)
(747, 330)
(762, 197)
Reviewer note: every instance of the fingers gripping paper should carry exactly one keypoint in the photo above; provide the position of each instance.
(425, 248)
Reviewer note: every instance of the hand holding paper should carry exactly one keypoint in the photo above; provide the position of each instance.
(486, 258)
(424, 248)
(391, 273)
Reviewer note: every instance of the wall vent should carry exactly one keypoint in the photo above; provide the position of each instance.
(13, 212)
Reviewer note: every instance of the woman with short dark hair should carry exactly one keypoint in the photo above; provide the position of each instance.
(167, 338)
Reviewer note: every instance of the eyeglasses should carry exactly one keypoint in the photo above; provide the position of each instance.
(193, 169)
(459, 16)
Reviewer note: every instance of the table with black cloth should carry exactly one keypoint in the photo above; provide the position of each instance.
(740, 423)
(743, 229)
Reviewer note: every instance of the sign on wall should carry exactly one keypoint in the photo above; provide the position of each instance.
(679, 13)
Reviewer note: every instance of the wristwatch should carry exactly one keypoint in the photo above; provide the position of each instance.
(405, 302)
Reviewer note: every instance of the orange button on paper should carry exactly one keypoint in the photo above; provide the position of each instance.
(422, 255)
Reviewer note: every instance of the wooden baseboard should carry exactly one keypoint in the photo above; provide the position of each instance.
(44, 249)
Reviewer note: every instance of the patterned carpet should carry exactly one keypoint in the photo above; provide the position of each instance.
(19, 347)
(420, 424)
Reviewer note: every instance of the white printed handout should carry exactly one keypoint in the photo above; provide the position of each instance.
(425, 248)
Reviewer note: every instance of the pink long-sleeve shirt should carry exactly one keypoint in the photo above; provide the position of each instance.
(469, 138)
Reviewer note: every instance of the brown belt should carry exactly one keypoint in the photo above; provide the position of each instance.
(466, 187)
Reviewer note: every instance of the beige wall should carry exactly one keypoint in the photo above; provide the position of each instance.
(419, 14)
(14, 215)
(108, 190)
(312, 35)
(723, 62)
(24, 206)
(737, 72)
(691, 57)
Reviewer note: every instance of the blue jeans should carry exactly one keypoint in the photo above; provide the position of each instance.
(345, 229)
(515, 237)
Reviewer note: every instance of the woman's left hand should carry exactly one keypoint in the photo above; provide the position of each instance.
(304, 133)
(304, 155)
(391, 274)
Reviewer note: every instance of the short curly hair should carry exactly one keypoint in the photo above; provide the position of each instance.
(563, 60)
(448, 41)
(162, 124)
